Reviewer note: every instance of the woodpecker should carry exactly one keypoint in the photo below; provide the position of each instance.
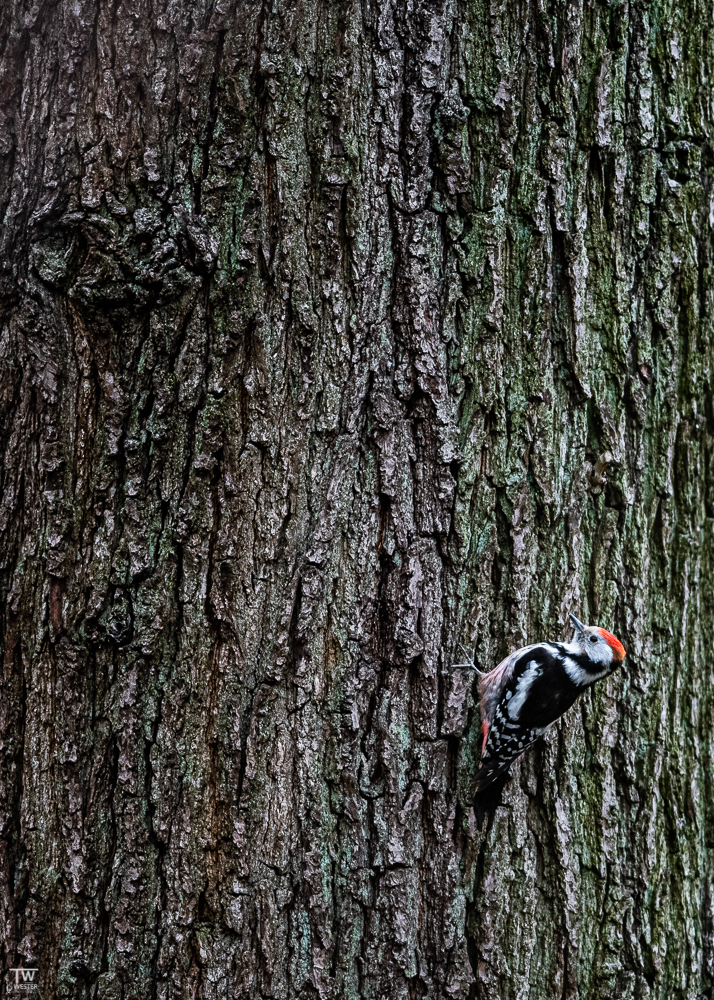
(528, 692)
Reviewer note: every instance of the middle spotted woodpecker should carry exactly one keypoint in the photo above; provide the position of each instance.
(529, 691)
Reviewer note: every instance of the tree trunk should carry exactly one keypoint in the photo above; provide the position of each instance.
(334, 335)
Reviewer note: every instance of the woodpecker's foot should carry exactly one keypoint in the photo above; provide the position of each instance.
(469, 664)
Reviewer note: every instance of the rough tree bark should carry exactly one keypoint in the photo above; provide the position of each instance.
(333, 335)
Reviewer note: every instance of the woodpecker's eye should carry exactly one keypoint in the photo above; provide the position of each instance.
(593, 638)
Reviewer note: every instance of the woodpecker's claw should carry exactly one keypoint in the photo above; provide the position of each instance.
(469, 661)
(469, 657)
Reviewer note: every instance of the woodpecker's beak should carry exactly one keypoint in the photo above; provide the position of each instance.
(578, 624)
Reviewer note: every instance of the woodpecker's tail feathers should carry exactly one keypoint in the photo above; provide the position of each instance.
(489, 771)
(486, 802)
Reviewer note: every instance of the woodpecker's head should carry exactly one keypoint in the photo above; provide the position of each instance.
(601, 647)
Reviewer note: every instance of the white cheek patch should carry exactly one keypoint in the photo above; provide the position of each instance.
(575, 672)
(600, 652)
(516, 703)
(579, 675)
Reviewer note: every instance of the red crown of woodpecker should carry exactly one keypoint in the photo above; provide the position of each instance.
(614, 644)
